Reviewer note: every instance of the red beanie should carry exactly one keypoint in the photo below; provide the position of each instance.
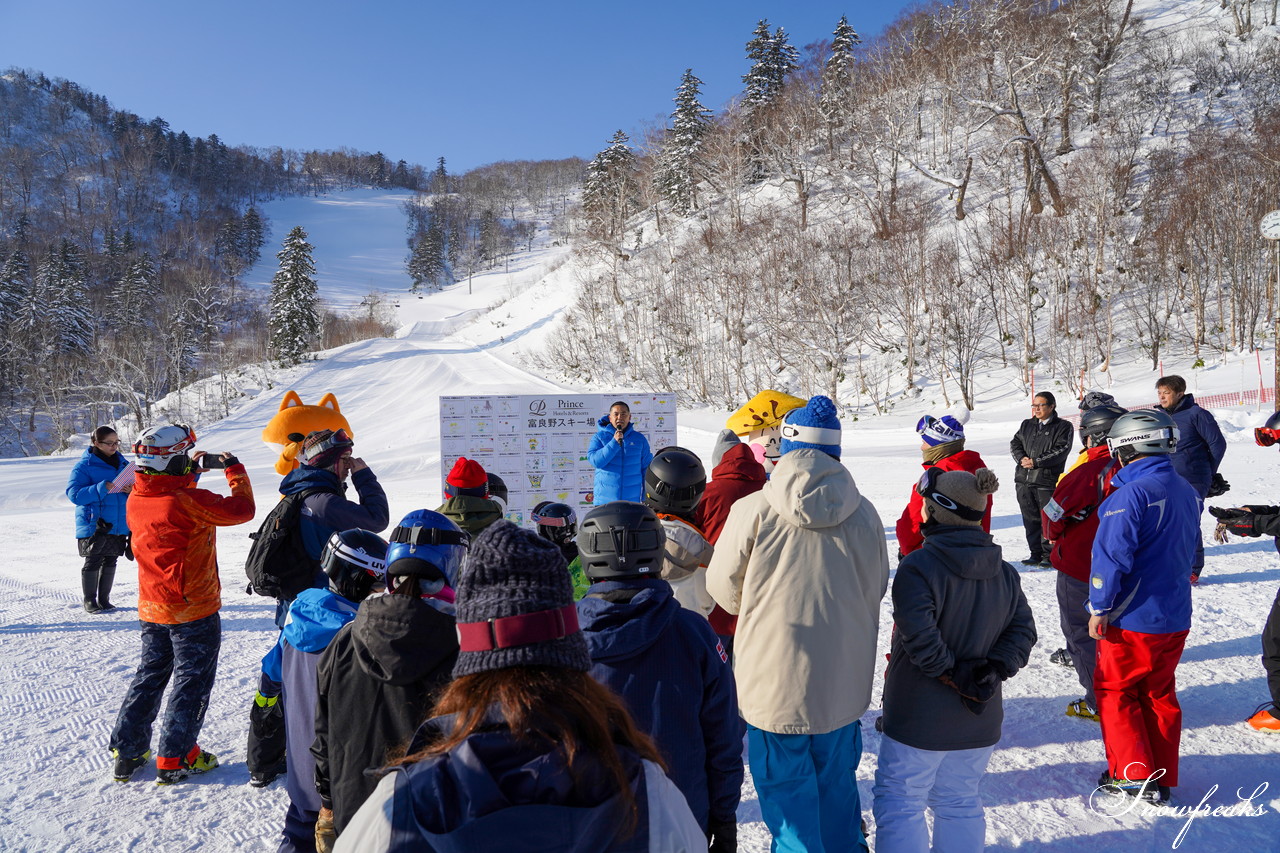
(466, 478)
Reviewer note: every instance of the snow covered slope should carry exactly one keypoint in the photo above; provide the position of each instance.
(63, 673)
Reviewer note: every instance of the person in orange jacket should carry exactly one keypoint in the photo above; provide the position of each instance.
(179, 596)
(942, 447)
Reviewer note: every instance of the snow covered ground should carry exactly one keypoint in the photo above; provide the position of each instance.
(63, 672)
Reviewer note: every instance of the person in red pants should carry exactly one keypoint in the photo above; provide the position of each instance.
(1140, 605)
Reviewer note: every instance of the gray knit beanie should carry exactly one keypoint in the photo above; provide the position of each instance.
(726, 439)
(961, 489)
(515, 605)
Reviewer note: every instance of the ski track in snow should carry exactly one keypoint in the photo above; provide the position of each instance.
(63, 672)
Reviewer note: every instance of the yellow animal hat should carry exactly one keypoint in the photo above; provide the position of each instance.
(284, 432)
(762, 411)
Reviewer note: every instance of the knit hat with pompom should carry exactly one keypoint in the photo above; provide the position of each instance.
(812, 425)
(955, 489)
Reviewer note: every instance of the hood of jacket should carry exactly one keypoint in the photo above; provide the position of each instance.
(617, 630)
(966, 551)
(739, 463)
(305, 477)
(1139, 468)
(473, 514)
(493, 786)
(314, 617)
(811, 489)
(400, 639)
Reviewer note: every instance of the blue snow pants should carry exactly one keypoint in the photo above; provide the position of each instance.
(808, 789)
(187, 652)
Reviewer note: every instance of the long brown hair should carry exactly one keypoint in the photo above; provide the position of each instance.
(563, 707)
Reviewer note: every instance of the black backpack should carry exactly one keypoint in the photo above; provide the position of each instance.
(278, 564)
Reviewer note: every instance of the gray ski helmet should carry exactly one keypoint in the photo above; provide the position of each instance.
(556, 521)
(675, 481)
(1141, 433)
(355, 561)
(622, 539)
(1096, 422)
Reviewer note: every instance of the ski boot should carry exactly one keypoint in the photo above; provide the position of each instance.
(170, 770)
(125, 767)
(1081, 708)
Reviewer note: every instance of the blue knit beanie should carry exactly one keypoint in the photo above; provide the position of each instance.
(813, 425)
(941, 430)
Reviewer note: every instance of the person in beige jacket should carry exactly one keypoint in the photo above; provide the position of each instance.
(803, 563)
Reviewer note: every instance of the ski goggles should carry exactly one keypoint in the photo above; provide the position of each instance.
(419, 535)
(550, 520)
(1266, 437)
(928, 488)
(925, 423)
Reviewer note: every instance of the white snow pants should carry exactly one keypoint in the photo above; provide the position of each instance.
(909, 779)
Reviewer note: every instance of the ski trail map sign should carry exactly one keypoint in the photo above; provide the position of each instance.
(538, 443)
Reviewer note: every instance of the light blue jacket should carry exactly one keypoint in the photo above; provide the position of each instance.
(620, 467)
(87, 489)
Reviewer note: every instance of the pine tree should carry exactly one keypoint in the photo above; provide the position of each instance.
(294, 318)
(440, 178)
(15, 276)
(137, 288)
(772, 59)
(609, 191)
(427, 261)
(680, 160)
(62, 303)
(251, 237)
(837, 77)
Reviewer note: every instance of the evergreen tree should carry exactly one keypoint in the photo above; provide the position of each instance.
(772, 59)
(440, 178)
(678, 164)
(293, 308)
(837, 76)
(609, 191)
(427, 261)
(64, 308)
(15, 277)
(137, 290)
(251, 237)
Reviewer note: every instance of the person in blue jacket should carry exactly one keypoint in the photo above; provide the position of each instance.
(620, 455)
(354, 562)
(664, 661)
(101, 529)
(1140, 605)
(1199, 452)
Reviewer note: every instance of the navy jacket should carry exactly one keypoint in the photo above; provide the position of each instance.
(1200, 444)
(1146, 538)
(619, 467)
(327, 511)
(87, 489)
(671, 671)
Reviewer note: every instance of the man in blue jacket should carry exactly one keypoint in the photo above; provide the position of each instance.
(1199, 452)
(664, 661)
(620, 455)
(1140, 605)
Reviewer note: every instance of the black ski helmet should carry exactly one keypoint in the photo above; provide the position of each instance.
(622, 539)
(556, 521)
(497, 488)
(356, 562)
(675, 481)
(1096, 422)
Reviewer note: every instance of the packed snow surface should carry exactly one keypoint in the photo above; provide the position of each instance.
(64, 672)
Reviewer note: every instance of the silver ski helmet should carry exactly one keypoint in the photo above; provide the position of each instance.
(1145, 432)
(164, 449)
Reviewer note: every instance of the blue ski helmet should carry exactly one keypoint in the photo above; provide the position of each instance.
(428, 546)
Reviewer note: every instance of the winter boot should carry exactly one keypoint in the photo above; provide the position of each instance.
(266, 747)
(170, 770)
(1062, 657)
(1264, 719)
(105, 580)
(89, 586)
(125, 767)
(1081, 708)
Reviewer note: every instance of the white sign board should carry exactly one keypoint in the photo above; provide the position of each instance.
(537, 443)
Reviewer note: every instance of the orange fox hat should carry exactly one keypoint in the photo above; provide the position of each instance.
(762, 411)
(284, 432)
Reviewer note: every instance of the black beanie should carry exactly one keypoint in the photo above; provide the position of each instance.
(512, 572)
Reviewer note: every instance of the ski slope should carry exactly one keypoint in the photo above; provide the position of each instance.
(63, 672)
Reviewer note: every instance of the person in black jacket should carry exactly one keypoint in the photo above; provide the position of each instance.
(1040, 448)
(379, 678)
(963, 627)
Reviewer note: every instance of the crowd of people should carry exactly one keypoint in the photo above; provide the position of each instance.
(588, 684)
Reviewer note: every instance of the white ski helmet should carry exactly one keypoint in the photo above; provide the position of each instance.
(163, 449)
(1141, 433)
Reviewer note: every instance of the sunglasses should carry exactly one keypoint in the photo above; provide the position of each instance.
(1266, 437)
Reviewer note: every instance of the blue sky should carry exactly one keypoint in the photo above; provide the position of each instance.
(473, 82)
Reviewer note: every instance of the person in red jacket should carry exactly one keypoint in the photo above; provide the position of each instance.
(173, 526)
(942, 446)
(737, 473)
(1070, 522)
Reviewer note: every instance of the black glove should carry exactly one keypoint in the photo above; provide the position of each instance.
(128, 547)
(229, 461)
(1238, 520)
(1219, 486)
(722, 836)
(975, 681)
